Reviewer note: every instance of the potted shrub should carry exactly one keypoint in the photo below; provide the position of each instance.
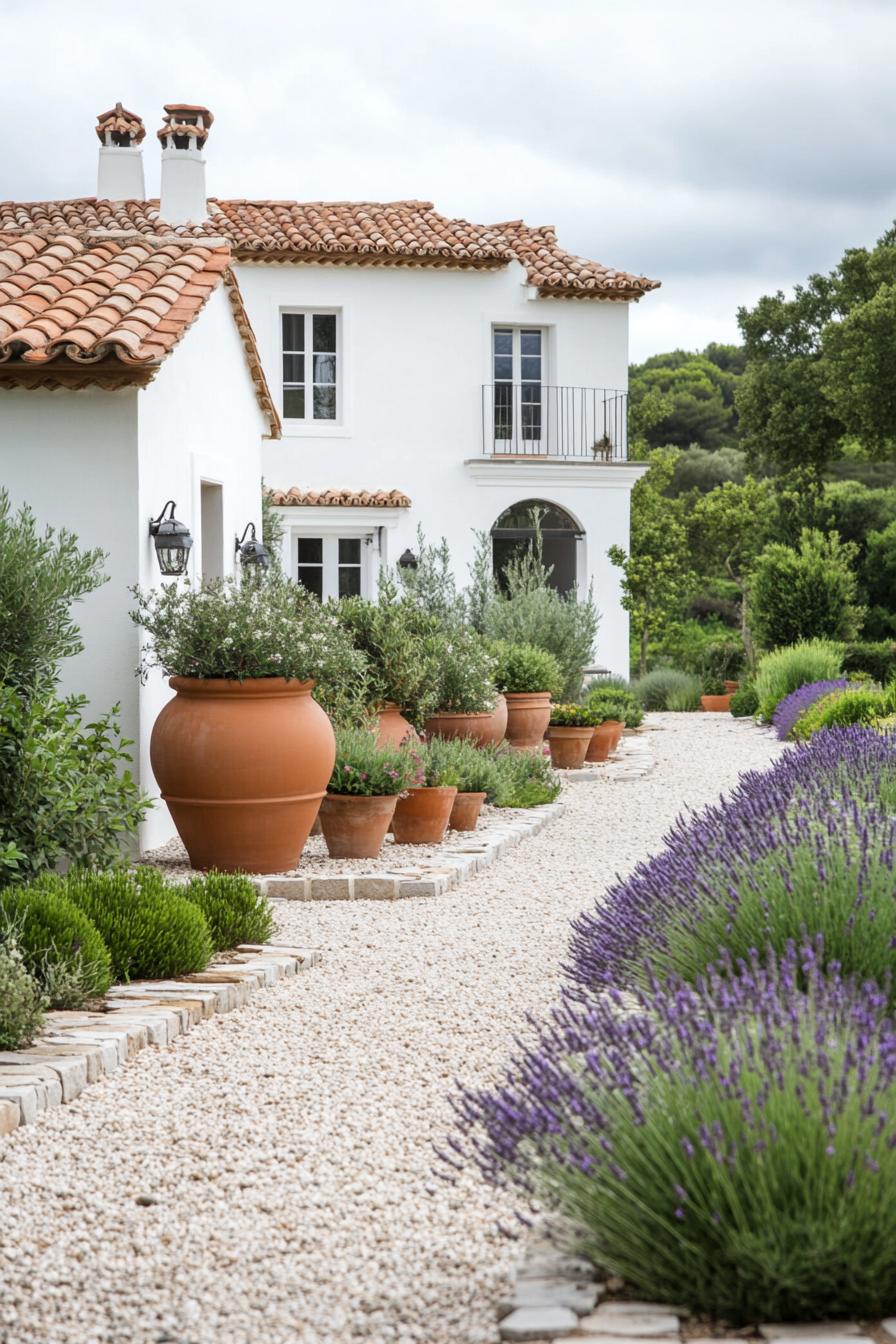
(528, 677)
(476, 772)
(715, 700)
(466, 690)
(364, 787)
(624, 711)
(422, 812)
(606, 710)
(242, 753)
(569, 735)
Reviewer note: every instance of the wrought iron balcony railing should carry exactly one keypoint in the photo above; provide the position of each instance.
(535, 420)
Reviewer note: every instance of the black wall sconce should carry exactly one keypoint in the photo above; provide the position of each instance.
(173, 542)
(253, 554)
(407, 560)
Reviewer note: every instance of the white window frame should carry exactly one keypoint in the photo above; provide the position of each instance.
(308, 421)
(331, 536)
(516, 330)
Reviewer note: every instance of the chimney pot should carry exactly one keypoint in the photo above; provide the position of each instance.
(183, 135)
(120, 171)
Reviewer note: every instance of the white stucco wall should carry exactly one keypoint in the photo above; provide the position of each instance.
(415, 350)
(72, 456)
(198, 421)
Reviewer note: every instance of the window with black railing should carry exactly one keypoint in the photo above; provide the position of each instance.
(523, 416)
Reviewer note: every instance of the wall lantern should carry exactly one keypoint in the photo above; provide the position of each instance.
(172, 541)
(407, 560)
(254, 555)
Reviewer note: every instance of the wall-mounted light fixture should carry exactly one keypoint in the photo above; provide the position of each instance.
(254, 555)
(407, 560)
(173, 542)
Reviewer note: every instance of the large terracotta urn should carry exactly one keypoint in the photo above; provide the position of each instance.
(528, 715)
(569, 746)
(498, 728)
(355, 825)
(392, 727)
(421, 816)
(243, 767)
(479, 728)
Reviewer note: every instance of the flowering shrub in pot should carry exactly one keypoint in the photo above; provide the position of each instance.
(466, 689)
(569, 735)
(607, 710)
(362, 793)
(730, 1145)
(422, 812)
(242, 754)
(476, 772)
(529, 678)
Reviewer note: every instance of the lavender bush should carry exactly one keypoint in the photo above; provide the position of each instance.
(730, 1145)
(797, 702)
(808, 846)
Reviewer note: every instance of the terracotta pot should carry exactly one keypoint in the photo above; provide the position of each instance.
(528, 715)
(604, 739)
(393, 727)
(568, 746)
(477, 727)
(465, 811)
(731, 687)
(316, 828)
(355, 826)
(421, 816)
(499, 721)
(618, 730)
(715, 704)
(243, 767)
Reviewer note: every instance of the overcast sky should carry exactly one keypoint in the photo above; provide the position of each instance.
(726, 148)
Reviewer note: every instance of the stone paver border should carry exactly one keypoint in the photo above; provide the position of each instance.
(78, 1048)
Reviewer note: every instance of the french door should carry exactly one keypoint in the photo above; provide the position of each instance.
(517, 370)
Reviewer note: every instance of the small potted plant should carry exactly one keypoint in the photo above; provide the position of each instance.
(362, 793)
(476, 772)
(569, 735)
(715, 699)
(607, 709)
(422, 811)
(529, 678)
(466, 690)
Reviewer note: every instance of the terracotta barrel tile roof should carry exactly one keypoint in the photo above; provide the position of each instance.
(365, 499)
(351, 232)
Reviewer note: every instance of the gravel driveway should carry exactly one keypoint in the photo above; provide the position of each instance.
(288, 1145)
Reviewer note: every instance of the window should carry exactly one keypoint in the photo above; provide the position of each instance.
(309, 366)
(517, 371)
(211, 512)
(332, 566)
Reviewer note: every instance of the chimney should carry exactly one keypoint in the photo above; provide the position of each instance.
(183, 137)
(120, 173)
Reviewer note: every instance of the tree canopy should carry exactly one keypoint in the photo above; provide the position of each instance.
(683, 398)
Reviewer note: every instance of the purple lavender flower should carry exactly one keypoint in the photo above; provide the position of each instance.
(797, 702)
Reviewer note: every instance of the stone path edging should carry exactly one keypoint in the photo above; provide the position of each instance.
(78, 1048)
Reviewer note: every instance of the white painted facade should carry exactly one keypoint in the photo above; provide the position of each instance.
(414, 349)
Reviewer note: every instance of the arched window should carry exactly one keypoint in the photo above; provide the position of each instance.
(515, 531)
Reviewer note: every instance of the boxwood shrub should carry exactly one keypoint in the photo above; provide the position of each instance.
(21, 1002)
(60, 944)
(744, 702)
(233, 909)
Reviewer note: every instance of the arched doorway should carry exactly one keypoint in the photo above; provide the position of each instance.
(516, 529)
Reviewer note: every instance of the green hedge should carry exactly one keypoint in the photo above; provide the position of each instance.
(61, 946)
(233, 909)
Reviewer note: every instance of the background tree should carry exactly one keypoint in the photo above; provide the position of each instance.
(657, 577)
(683, 398)
(728, 530)
(805, 592)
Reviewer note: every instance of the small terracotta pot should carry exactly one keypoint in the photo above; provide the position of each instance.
(499, 721)
(618, 730)
(715, 704)
(603, 740)
(421, 816)
(569, 746)
(731, 687)
(477, 727)
(465, 811)
(243, 766)
(393, 727)
(528, 715)
(355, 826)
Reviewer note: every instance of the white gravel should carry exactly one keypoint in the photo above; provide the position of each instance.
(289, 1144)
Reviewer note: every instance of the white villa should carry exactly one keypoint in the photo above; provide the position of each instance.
(381, 366)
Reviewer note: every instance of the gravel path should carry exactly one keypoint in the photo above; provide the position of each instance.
(288, 1144)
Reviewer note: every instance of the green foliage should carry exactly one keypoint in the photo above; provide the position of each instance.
(878, 660)
(21, 1002)
(526, 779)
(745, 702)
(656, 688)
(856, 511)
(475, 770)
(702, 471)
(685, 699)
(524, 667)
(657, 577)
(784, 670)
(65, 791)
(403, 645)
(233, 909)
(363, 768)
(573, 716)
(859, 367)
(805, 593)
(41, 575)
(436, 764)
(842, 709)
(527, 610)
(683, 398)
(606, 701)
(432, 586)
(151, 930)
(712, 685)
(272, 529)
(61, 946)
(466, 683)
(880, 567)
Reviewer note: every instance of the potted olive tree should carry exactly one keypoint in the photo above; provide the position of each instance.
(466, 689)
(242, 753)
